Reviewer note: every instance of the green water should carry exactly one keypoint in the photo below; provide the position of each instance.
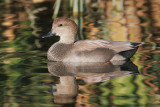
(28, 80)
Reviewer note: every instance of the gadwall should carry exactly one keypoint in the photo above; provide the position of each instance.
(89, 50)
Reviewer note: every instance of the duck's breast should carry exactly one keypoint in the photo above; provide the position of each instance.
(59, 51)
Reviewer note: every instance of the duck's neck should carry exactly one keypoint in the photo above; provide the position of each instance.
(67, 39)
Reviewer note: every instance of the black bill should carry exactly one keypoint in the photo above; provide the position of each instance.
(49, 34)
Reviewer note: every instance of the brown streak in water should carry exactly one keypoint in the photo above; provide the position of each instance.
(82, 99)
(148, 81)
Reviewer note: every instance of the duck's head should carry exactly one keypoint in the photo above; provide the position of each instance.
(65, 28)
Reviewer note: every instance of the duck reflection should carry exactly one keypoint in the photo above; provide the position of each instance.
(66, 90)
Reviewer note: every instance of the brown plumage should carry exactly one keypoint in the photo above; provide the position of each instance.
(89, 50)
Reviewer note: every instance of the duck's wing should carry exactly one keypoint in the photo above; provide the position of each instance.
(89, 45)
(92, 44)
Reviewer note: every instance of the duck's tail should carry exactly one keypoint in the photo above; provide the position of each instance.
(127, 54)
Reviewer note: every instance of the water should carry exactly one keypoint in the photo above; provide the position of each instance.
(28, 80)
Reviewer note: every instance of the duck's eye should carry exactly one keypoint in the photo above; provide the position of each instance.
(60, 25)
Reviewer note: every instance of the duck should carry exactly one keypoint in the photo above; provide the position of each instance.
(67, 49)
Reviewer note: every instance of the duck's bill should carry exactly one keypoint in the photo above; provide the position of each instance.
(49, 34)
